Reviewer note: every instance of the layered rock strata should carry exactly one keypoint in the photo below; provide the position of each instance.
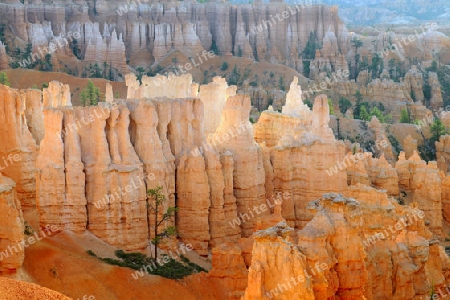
(152, 30)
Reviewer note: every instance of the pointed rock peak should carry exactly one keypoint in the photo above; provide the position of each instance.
(415, 156)
(382, 161)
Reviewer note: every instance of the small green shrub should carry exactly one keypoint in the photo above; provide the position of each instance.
(224, 66)
(173, 269)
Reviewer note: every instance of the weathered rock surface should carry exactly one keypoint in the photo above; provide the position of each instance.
(18, 147)
(154, 29)
(11, 227)
(426, 184)
(228, 266)
(57, 94)
(116, 151)
(446, 198)
(414, 83)
(383, 176)
(443, 152)
(436, 100)
(378, 230)
(409, 145)
(278, 266)
(236, 134)
(382, 144)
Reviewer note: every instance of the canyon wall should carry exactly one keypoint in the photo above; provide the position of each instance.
(96, 163)
(113, 32)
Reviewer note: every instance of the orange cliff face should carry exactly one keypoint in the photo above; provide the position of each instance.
(94, 165)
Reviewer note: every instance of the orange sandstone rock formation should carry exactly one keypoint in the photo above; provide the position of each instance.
(11, 227)
(20, 132)
(249, 177)
(278, 267)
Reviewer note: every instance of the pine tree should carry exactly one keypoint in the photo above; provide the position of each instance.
(4, 79)
(404, 116)
(357, 110)
(159, 219)
(437, 129)
(90, 95)
(330, 105)
(344, 104)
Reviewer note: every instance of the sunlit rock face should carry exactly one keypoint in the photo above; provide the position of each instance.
(249, 175)
(427, 185)
(375, 230)
(21, 131)
(11, 227)
(57, 94)
(307, 160)
(277, 266)
(96, 163)
(214, 96)
(364, 229)
(382, 175)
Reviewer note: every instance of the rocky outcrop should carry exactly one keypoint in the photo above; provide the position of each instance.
(446, 198)
(60, 184)
(138, 145)
(11, 227)
(295, 159)
(383, 176)
(436, 100)
(443, 152)
(378, 230)
(414, 83)
(109, 95)
(160, 86)
(356, 170)
(249, 178)
(33, 113)
(108, 47)
(228, 266)
(214, 96)
(294, 103)
(96, 141)
(272, 126)
(57, 94)
(194, 203)
(382, 144)
(18, 147)
(409, 145)
(278, 267)
(426, 184)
